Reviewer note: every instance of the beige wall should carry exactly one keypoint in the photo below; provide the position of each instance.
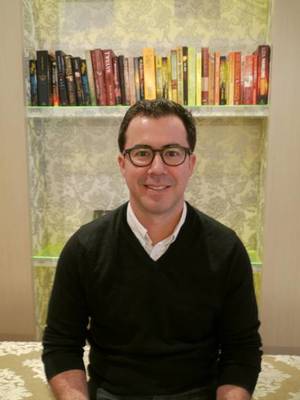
(281, 271)
(16, 303)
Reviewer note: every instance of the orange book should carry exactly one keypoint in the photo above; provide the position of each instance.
(174, 77)
(211, 79)
(149, 73)
(205, 72)
(237, 78)
(217, 77)
(230, 78)
(254, 91)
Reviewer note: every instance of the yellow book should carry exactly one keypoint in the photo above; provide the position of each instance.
(179, 76)
(149, 73)
(198, 78)
(159, 78)
(230, 78)
(191, 76)
(169, 79)
(217, 77)
(174, 78)
(165, 77)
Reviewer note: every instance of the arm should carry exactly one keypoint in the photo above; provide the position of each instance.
(66, 329)
(231, 392)
(240, 354)
(70, 385)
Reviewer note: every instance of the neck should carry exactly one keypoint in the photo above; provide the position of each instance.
(159, 226)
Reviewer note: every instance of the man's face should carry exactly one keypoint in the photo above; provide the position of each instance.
(157, 189)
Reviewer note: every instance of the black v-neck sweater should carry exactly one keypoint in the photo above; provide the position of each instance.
(154, 327)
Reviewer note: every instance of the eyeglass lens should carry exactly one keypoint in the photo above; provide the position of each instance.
(170, 155)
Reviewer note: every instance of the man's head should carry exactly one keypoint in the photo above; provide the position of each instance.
(157, 109)
(156, 141)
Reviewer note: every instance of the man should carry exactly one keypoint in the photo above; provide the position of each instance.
(163, 293)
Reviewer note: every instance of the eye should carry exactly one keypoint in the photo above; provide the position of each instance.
(173, 152)
(141, 153)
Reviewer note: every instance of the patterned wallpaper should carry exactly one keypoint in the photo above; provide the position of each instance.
(73, 165)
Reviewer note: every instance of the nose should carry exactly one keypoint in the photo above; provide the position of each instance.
(158, 166)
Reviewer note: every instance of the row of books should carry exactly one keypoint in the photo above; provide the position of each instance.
(185, 75)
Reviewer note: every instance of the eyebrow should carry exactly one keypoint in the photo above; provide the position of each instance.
(138, 146)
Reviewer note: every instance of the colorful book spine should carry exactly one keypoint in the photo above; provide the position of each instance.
(165, 77)
(217, 56)
(142, 79)
(137, 78)
(223, 80)
(254, 91)
(159, 81)
(211, 79)
(263, 67)
(121, 62)
(174, 81)
(90, 75)
(109, 77)
(149, 73)
(78, 82)
(179, 76)
(54, 83)
(131, 80)
(98, 70)
(205, 72)
(185, 73)
(71, 87)
(237, 78)
(198, 78)
(85, 83)
(61, 78)
(117, 80)
(33, 83)
(127, 83)
(43, 78)
(191, 76)
(231, 78)
(248, 79)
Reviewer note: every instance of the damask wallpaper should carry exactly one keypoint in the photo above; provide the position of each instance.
(73, 168)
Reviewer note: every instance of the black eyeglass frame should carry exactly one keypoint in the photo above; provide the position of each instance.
(187, 151)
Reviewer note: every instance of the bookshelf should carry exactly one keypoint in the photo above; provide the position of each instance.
(244, 111)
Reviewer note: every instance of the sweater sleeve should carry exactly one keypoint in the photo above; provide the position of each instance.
(240, 354)
(65, 332)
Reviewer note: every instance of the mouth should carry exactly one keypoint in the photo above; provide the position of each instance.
(157, 188)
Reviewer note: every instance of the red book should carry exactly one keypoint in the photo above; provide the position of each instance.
(108, 56)
(263, 66)
(205, 72)
(98, 70)
(248, 79)
(254, 94)
(117, 80)
(237, 78)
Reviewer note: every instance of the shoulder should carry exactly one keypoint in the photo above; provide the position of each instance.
(101, 230)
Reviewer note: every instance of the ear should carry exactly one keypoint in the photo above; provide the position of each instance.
(192, 162)
(121, 162)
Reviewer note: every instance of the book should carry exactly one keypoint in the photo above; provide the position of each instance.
(121, 62)
(174, 82)
(43, 78)
(61, 78)
(159, 82)
(117, 80)
(237, 78)
(255, 66)
(223, 80)
(179, 76)
(54, 98)
(141, 73)
(127, 83)
(248, 80)
(137, 78)
(165, 77)
(90, 75)
(217, 56)
(149, 73)
(77, 79)
(198, 78)
(263, 67)
(85, 82)
(185, 75)
(230, 60)
(33, 83)
(205, 72)
(132, 95)
(98, 71)
(71, 87)
(191, 76)
(211, 79)
(109, 77)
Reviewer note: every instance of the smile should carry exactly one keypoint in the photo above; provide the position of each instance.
(156, 188)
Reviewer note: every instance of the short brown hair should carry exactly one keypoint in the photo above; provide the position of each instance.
(156, 109)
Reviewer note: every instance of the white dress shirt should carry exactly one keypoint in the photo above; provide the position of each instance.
(156, 251)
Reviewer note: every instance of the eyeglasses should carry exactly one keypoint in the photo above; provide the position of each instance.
(143, 155)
